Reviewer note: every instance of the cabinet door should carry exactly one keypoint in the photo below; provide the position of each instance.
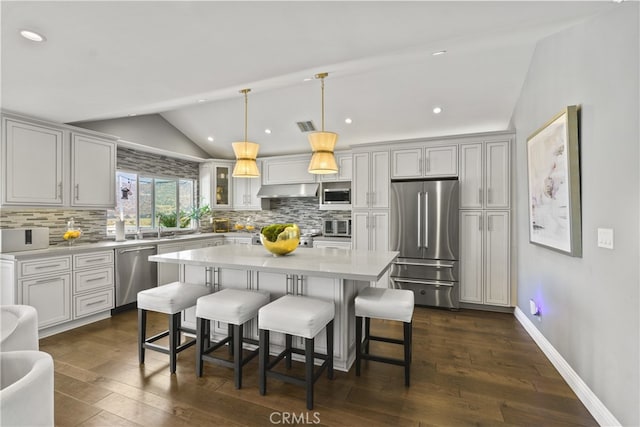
(168, 273)
(205, 182)
(93, 172)
(380, 181)
(406, 163)
(360, 230)
(245, 193)
(379, 228)
(471, 189)
(497, 259)
(471, 248)
(222, 189)
(33, 161)
(51, 297)
(360, 184)
(441, 161)
(344, 162)
(497, 174)
(287, 170)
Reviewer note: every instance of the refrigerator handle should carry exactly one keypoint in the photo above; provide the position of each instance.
(419, 219)
(426, 220)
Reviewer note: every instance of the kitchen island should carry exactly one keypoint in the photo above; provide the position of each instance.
(329, 274)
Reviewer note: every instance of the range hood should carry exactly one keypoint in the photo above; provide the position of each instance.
(288, 190)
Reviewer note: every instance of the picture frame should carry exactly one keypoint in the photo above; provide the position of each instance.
(553, 172)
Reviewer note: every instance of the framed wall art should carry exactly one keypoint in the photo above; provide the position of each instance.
(553, 162)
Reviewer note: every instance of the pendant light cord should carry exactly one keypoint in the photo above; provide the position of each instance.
(322, 86)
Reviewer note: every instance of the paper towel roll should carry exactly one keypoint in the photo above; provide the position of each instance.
(119, 231)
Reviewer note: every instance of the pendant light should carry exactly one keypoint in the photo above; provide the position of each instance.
(322, 144)
(245, 151)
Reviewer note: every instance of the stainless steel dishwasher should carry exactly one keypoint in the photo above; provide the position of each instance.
(134, 273)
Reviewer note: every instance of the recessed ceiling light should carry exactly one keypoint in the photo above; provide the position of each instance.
(267, 131)
(210, 138)
(440, 52)
(348, 120)
(133, 114)
(307, 79)
(32, 35)
(437, 110)
(201, 100)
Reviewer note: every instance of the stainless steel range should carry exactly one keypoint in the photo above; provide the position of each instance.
(306, 240)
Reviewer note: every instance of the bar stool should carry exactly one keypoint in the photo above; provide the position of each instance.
(303, 317)
(18, 328)
(234, 307)
(386, 304)
(170, 299)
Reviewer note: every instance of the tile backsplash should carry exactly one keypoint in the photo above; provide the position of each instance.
(91, 222)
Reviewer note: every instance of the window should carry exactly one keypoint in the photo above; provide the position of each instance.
(146, 202)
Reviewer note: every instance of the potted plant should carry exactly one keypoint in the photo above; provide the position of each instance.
(196, 214)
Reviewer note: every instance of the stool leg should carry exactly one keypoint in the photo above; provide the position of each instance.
(174, 332)
(407, 352)
(367, 333)
(178, 328)
(237, 358)
(358, 344)
(201, 328)
(230, 331)
(142, 333)
(330, 350)
(309, 368)
(288, 339)
(263, 356)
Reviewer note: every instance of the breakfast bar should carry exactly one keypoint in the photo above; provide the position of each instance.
(331, 274)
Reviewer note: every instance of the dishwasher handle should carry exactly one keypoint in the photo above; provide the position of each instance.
(144, 248)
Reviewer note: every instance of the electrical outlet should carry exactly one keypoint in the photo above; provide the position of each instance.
(605, 238)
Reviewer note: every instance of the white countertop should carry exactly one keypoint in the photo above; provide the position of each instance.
(327, 262)
(79, 247)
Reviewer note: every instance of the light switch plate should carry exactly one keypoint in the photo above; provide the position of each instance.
(605, 238)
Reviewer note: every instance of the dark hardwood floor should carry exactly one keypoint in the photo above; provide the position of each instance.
(469, 368)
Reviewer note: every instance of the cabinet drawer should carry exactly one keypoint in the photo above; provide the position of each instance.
(92, 259)
(44, 266)
(92, 279)
(95, 302)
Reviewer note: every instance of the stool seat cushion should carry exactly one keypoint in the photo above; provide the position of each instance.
(296, 315)
(234, 306)
(383, 303)
(171, 298)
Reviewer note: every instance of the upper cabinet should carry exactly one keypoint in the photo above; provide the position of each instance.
(93, 170)
(370, 187)
(45, 164)
(216, 187)
(425, 162)
(287, 170)
(485, 175)
(344, 161)
(32, 160)
(245, 192)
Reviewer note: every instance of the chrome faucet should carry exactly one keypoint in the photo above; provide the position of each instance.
(159, 231)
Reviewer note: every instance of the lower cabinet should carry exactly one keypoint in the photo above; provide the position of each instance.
(51, 297)
(485, 258)
(370, 231)
(93, 284)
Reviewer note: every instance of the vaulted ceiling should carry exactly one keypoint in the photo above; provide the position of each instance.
(187, 61)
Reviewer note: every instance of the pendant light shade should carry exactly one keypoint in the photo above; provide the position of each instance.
(245, 151)
(322, 144)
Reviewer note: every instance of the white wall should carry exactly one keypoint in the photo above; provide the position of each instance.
(151, 130)
(590, 304)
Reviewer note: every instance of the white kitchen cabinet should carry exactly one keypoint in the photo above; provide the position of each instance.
(32, 158)
(370, 186)
(370, 231)
(485, 257)
(287, 170)
(216, 187)
(93, 171)
(245, 192)
(424, 162)
(345, 169)
(485, 175)
(168, 273)
(51, 297)
(93, 284)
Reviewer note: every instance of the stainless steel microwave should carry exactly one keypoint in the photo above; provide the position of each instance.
(336, 196)
(337, 227)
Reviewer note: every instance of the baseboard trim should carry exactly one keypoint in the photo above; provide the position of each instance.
(600, 412)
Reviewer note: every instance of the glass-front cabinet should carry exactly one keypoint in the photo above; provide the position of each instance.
(215, 184)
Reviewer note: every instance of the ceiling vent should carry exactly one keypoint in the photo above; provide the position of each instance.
(306, 126)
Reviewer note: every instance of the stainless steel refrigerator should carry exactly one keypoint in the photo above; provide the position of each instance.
(424, 229)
